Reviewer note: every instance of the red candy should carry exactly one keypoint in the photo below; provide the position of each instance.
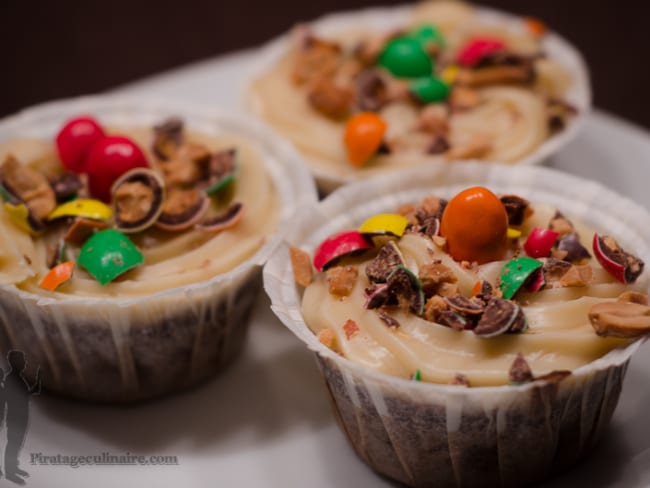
(337, 246)
(75, 140)
(109, 159)
(540, 242)
(478, 47)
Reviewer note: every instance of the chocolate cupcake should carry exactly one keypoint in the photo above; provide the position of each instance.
(132, 242)
(385, 89)
(469, 336)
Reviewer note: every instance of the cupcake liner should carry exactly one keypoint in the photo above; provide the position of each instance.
(385, 18)
(441, 435)
(123, 349)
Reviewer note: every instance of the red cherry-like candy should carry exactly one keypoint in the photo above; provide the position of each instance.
(540, 242)
(337, 246)
(110, 158)
(75, 140)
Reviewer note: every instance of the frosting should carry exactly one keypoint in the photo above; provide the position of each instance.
(559, 334)
(171, 259)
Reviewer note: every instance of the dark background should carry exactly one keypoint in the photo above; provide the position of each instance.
(55, 49)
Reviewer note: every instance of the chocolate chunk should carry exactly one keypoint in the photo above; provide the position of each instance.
(388, 257)
(452, 319)
(498, 317)
(575, 251)
(515, 208)
(168, 136)
(520, 372)
(486, 291)
(439, 145)
(430, 227)
(464, 305)
(372, 91)
(388, 320)
(519, 324)
(66, 186)
(554, 269)
(380, 296)
(460, 380)
(407, 288)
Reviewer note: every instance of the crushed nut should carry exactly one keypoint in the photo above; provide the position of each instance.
(327, 338)
(520, 371)
(463, 98)
(633, 297)
(620, 319)
(301, 265)
(350, 328)
(433, 119)
(29, 186)
(477, 147)
(315, 58)
(434, 307)
(577, 276)
(330, 99)
(168, 136)
(433, 274)
(342, 279)
(560, 224)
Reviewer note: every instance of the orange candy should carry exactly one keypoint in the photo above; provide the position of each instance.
(364, 133)
(58, 275)
(475, 224)
(535, 26)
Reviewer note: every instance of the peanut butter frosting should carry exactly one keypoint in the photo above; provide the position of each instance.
(171, 259)
(395, 338)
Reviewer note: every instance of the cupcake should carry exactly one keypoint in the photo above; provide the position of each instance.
(473, 322)
(133, 234)
(385, 89)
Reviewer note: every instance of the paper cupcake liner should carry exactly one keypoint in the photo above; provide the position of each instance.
(426, 434)
(385, 18)
(134, 348)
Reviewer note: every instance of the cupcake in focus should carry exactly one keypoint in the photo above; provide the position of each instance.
(133, 237)
(386, 89)
(462, 328)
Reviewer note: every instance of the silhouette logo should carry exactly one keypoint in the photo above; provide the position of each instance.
(15, 392)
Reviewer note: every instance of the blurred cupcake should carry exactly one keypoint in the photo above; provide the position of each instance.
(473, 329)
(133, 234)
(385, 89)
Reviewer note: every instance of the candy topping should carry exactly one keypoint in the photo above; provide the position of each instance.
(364, 134)
(337, 246)
(19, 216)
(429, 89)
(475, 224)
(82, 207)
(107, 254)
(74, 141)
(391, 224)
(540, 242)
(622, 265)
(477, 48)
(515, 273)
(137, 198)
(406, 57)
(58, 275)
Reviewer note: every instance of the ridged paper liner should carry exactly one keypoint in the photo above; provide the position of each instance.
(126, 349)
(385, 18)
(425, 434)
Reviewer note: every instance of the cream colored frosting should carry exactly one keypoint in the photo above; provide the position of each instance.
(559, 337)
(170, 259)
(513, 119)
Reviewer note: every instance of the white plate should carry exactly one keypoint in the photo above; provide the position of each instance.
(266, 422)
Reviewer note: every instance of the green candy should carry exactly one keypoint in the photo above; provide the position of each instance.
(417, 376)
(515, 273)
(406, 58)
(107, 254)
(5, 195)
(221, 184)
(429, 90)
(427, 34)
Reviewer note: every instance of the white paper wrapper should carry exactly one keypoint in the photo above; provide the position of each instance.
(126, 349)
(439, 435)
(383, 19)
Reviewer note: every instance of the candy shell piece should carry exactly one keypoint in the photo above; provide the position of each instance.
(427, 35)
(513, 233)
(337, 246)
(58, 275)
(406, 58)
(477, 48)
(107, 254)
(540, 242)
(429, 89)
(392, 224)
(622, 265)
(19, 216)
(363, 135)
(417, 376)
(88, 208)
(515, 273)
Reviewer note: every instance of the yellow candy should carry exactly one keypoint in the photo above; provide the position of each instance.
(19, 214)
(385, 224)
(513, 233)
(449, 74)
(82, 207)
